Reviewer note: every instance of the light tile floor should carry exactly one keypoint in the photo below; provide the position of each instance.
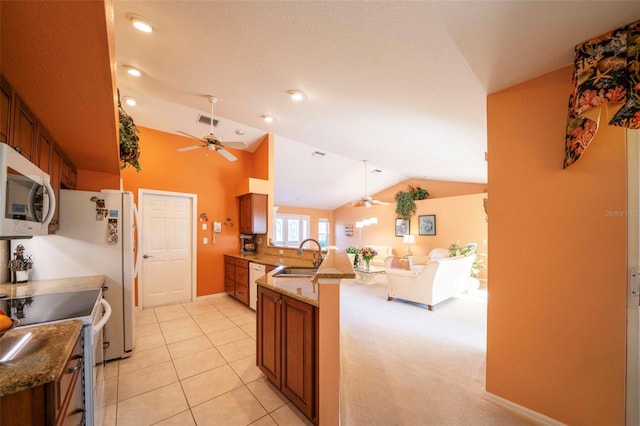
(195, 364)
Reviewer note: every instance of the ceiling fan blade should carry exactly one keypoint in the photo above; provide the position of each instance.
(237, 144)
(379, 203)
(187, 134)
(226, 154)
(190, 148)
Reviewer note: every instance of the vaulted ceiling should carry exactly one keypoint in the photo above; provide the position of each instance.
(401, 84)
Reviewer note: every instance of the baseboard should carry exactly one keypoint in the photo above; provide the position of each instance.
(525, 412)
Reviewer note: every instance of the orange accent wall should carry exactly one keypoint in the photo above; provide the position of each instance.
(207, 174)
(557, 284)
(436, 188)
(89, 180)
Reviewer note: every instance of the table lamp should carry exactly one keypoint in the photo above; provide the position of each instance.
(408, 240)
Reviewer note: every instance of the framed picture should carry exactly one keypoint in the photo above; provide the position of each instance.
(402, 227)
(427, 224)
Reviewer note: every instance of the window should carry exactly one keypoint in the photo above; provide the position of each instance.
(323, 232)
(291, 229)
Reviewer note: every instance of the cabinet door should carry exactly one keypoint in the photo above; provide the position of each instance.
(6, 108)
(54, 173)
(253, 213)
(44, 144)
(24, 130)
(298, 354)
(268, 313)
(68, 173)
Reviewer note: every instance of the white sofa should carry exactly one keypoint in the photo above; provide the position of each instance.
(437, 281)
(416, 263)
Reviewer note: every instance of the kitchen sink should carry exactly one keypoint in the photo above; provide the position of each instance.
(296, 272)
(52, 307)
(14, 346)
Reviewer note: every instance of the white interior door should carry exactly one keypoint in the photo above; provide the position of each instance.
(167, 271)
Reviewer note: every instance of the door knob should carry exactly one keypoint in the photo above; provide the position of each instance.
(146, 256)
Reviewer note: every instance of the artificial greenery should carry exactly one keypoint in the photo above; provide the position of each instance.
(355, 251)
(129, 147)
(456, 249)
(406, 206)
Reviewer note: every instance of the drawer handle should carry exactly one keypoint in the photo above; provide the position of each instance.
(78, 365)
(73, 369)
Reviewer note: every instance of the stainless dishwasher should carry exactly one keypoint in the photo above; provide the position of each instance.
(256, 270)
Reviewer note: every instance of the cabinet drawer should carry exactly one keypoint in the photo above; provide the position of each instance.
(242, 263)
(242, 276)
(229, 286)
(242, 293)
(63, 389)
(229, 271)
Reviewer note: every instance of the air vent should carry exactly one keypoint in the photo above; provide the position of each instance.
(207, 120)
(376, 171)
(319, 154)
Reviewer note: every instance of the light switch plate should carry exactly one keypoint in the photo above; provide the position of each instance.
(204, 226)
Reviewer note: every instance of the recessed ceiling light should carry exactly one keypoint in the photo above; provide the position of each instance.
(141, 24)
(267, 118)
(297, 95)
(133, 71)
(130, 101)
(240, 132)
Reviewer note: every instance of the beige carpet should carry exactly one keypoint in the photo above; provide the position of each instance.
(405, 365)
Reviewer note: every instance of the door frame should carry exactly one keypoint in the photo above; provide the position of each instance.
(194, 234)
(632, 398)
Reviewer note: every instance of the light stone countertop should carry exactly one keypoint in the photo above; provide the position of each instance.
(61, 285)
(336, 265)
(43, 359)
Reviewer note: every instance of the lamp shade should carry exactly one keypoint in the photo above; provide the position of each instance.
(409, 239)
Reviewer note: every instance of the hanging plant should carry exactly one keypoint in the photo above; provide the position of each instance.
(418, 192)
(129, 147)
(405, 207)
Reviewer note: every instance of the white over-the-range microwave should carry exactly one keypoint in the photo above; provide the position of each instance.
(27, 200)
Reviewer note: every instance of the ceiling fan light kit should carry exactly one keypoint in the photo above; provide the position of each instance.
(211, 141)
(366, 200)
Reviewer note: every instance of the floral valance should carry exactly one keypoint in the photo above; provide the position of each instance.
(607, 70)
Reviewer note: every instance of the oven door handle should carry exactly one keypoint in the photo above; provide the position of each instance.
(105, 317)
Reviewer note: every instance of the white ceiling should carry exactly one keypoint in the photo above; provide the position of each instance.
(401, 84)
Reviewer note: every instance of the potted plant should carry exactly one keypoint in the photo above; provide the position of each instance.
(352, 252)
(456, 249)
(406, 206)
(129, 147)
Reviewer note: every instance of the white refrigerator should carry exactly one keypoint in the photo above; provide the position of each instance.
(96, 237)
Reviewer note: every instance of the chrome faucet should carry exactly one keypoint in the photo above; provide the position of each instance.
(316, 260)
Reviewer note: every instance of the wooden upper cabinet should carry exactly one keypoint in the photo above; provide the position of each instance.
(253, 213)
(44, 144)
(6, 109)
(23, 132)
(68, 173)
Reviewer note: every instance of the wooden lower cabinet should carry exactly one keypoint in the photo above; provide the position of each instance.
(58, 403)
(236, 278)
(287, 343)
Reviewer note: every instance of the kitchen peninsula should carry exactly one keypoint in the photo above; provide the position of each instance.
(299, 335)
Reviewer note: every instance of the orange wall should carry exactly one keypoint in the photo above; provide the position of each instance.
(457, 218)
(89, 180)
(436, 188)
(211, 177)
(556, 312)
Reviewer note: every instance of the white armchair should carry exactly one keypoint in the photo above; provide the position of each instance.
(384, 252)
(439, 280)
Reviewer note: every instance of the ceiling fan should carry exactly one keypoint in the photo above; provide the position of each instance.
(211, 141)
(366, 200)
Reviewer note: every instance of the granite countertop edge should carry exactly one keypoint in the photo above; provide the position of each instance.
(44, 363)
(58, 285)
(336, 266)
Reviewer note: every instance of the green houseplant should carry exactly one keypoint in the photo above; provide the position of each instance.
(129, 146)
(456, 249)
(353, 251)
(406, 205)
